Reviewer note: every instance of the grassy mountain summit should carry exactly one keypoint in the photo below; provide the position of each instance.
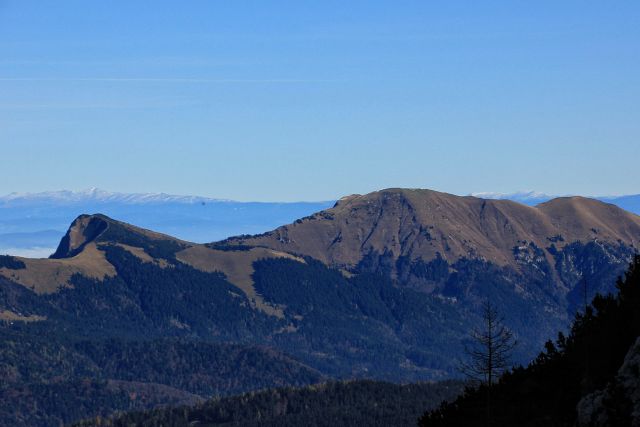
(382, 286)
(420, 224)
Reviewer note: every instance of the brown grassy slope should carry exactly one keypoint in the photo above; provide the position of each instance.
(48, 275)
(422, 223)
(82, 252)
(237, 266)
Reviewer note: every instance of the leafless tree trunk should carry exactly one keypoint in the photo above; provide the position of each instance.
(489, 355)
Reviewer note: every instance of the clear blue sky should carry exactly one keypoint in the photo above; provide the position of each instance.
(308, 100)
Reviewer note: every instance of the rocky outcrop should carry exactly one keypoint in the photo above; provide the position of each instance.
(619, 403)
(84, 230)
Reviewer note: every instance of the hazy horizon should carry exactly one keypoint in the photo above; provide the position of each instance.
(522, 193)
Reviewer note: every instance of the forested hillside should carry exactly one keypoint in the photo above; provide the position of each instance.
(548, 392)
(50, 379)
(344, 404)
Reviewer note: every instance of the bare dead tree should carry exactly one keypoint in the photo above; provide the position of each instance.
(490, 353)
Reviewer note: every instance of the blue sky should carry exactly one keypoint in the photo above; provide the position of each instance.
(309, 100)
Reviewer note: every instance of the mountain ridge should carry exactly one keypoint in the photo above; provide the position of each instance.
(528, 197)
(383, 286)
(393, 223)
(32, 224)
(99, 195)
(385, 222)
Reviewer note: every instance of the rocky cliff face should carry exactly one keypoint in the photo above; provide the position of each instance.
(84, 230)
(619, 403)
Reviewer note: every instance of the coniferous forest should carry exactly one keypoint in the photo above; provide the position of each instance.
(574, 381)
(350, 404)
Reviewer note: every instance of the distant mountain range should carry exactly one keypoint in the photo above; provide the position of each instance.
(630, 203)
(97, 195)
(32, 224)
(530, 198)
(385, 285)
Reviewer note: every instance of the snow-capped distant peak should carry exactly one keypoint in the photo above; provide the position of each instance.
(518, 195)
(529, 197)
(97, 195)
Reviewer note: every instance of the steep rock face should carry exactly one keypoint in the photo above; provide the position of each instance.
(84, 230)
(87, 229)
(619, 403)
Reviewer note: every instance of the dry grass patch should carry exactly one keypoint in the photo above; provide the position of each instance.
(45, 276)
(237, 266)
(143, 256)
(10, 316)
